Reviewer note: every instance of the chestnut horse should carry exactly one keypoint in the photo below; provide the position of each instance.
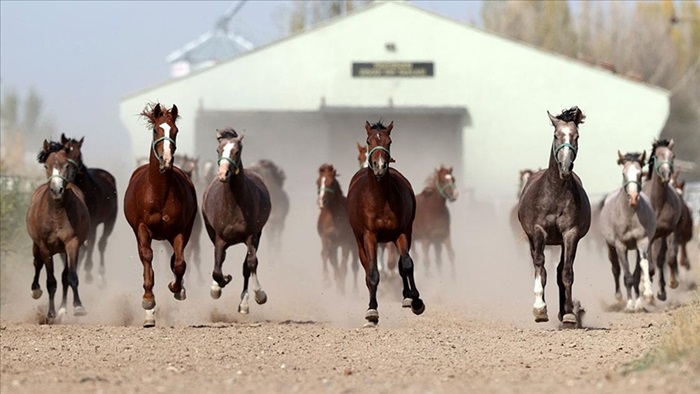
(161, 203)
(274, 177)
(100, 190)
(555, 210)
(432, 223)
(381, 207)
(58, 221)
(236, 207)
(334, 228)
(667, 206)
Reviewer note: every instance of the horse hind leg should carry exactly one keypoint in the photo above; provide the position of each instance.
(615, 267)
(367, 247)
(92, 238)
(220, 280)
(38, 265)
(410, 291)
(51, 286)
(179, 267)
(660, 262)
(672, 260)
(250, 268)
(628, 278)
(644, 282)
(107, 229)
(567, 314)
(71, 274)
(146, 255)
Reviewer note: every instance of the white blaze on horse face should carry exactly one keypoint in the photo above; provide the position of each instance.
(631, 174)
(167, 150)
(56, 180)
(227, 153)
(322, 192)
(539, 293)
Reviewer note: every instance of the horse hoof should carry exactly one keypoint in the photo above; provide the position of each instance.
(243, 309)
(79, 311)
(661, 296)
(372, 316)
(406, 303)
(260, 297)
(181, 296)
(370, 324)
(148, 304)
(618, 296)
(540, 314)
(673, 284)
(417, 307)
(215, 291)
(569, 318)
(149, 322)
(60, 314)
(36, 294)
(629, 307)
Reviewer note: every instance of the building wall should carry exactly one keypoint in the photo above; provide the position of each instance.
(506, 86)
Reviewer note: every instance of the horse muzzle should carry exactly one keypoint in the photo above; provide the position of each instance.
(633, 199)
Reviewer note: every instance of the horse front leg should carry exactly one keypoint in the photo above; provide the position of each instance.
(367, 246)
(71, 274)
(539, 308)
(38, 264)
(643, 249)
(146, 255)
(567, 315)
(107, 228)
(450, 255)
(672, 260)
(51, 287)
(615, 266)
(411, 296)
(178, 265)
(250, 271)
(621, 251)
(220, 280)
(660, 255)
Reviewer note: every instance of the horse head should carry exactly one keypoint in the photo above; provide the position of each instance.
(165, 131)
(565, 141)
(324, 183)
(73, 148)
(362, 155)
(632, 165)
(59, 171)
(661, 160)
(378, 147)
(445, 183)
(229, 152)
(189, 166)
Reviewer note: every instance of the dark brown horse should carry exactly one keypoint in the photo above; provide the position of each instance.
(100, 190)
(236, 207)
(274, 177)
(667, 207)
(432, 223)
(684, 230)
(161, 203)
(381, 208)
(58, 221)
(554, 210)
(193, 251)
(334, 227)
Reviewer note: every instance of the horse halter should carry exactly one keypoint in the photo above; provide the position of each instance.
(658, 163)
(625, 184)
(381, 148)
(556, 150)
(325, 189)
(155, 142)
(236, 167)
(441, 189)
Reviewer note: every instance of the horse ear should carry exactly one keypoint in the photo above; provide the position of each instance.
(390, 127)
(552, 119)
(359, 147)
(579, 117)
(218, 134)
(644, 157)
(80, 143)
(157, 112)
(670, 144)
(63, 139)
(450, 169)
(620, 158)
(46, 146)
(240, 136)
(368, 126)
(173, 112)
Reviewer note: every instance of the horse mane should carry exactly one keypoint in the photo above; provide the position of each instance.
(572, 114)
(54, 146)
(378, 126)
(227, 133)
(276, 172)
(632, 156)
(430, 181)
(652, 158)
(148, 113)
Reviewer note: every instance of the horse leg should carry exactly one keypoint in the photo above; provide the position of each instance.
(425, 247)
(629, 280)
(92, 237)
(179, 266)
(643, 248)
(107, 228)
(51, 287)
(411, 296)
(146, 255)
(355, 266)
(220, 281)
(333, 255)
(450, 254)
(325, 259)
(537, 240)
(66, 284)
(250, 268)
(367, 247)
(342, 267)
(391, 259)
(660, 261)
(672, 259)
(615, 265)
(566, 309)
(72, 248)
(683, 259)
(38, 264)
(437, 245)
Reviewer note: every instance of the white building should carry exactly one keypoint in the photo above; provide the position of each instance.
(457, 95)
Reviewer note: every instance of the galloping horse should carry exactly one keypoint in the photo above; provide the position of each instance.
(58, 221)
(432, 223)
(236, 206)
(628, 222)
(387, 253)
(381, 207)
(274, 177)
(160, 203)
(667, 207)
(334, 227)
(554, 210)
(193, 251)
(684, 230)
(100, 190)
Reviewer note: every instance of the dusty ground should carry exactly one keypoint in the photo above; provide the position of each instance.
(477, 334)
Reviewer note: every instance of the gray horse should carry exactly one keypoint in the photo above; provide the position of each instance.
(627, 222)
(667, 207)
(554, 210)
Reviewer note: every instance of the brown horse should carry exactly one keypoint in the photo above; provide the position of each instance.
(100, 190)
(161, 203)
(236, 207)
(381, 207)
(432, 223)
(554, 210)
(58, 221)
(667, 207)
(274, 177)
(684, 230)
(334, 227)
(193, 251)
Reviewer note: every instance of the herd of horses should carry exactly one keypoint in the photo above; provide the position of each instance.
(380, 215)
